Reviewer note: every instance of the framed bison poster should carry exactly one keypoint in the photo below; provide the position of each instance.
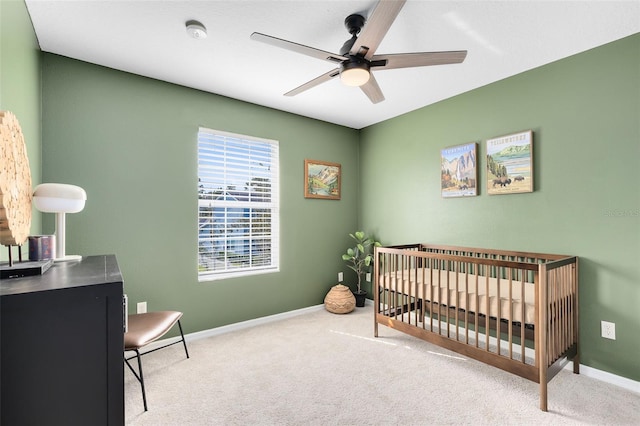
(458, 171)
(510, 164)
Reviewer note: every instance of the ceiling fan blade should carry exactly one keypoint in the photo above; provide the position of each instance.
(372, 90)
(421, 59)
(299, 48)
(376, 27)
(313, 83)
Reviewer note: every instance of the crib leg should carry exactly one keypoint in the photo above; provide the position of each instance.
(543, 395)
(576, 364)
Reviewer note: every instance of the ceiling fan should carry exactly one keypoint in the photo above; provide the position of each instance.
(357, 56)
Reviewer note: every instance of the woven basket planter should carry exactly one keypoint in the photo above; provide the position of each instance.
(340, 300)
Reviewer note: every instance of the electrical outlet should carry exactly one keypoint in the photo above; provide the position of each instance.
(340, 277)
(368, 277)
(141, 308)
(608, 330)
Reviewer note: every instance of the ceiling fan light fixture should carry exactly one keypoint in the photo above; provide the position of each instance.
(354, 73)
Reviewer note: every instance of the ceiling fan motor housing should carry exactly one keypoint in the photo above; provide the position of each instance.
(354, 62)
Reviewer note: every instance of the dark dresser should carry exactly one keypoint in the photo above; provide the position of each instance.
(61, 345)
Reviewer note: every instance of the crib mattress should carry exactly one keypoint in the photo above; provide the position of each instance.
(472, 293)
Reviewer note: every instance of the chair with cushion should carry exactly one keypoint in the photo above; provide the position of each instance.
(144, 329)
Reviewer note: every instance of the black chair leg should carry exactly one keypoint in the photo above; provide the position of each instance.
(138, 376)
(184, 343)
(144, 394)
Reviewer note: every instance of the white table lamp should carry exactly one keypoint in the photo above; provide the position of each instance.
(60, 198)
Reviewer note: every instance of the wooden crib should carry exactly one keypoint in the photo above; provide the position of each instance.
(514, 310)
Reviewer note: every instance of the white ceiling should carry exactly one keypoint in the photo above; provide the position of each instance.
(148, 38)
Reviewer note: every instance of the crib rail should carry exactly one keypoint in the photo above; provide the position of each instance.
(514, 310)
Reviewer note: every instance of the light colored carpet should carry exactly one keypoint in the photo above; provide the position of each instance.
(325, 369)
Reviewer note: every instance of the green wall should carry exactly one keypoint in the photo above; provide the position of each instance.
(130, 142)
(585, 115)
(20, 87)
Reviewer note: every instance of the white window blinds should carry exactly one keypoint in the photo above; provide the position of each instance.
(238, 205)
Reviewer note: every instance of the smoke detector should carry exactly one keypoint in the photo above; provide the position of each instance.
(196, 30)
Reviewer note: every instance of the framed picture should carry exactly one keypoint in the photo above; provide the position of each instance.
(510, 164)
(459, 172)
(321, 180)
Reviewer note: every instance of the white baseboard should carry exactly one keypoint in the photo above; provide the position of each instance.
(606, 377)
(233, 327)
(587, 371)
(250, 323)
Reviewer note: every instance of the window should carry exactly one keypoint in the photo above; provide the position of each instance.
(238, 205)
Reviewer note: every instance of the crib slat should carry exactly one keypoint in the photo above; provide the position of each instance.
(570, 308)
(522, 317)
(424, 293)
(477, 297)
(537, 316)
(499, 313)
(439, 290)
(510, 316)
(395, 297)
(563, 309)
(432, 294)
(403, 292)
(567, 313)
(557, 320)
(566, 295)
(553, 328)
(456, 301)
(488, 311)
(553, 303)
(414, 269)
(447, 301)
(400, 289)
(467, 303)
(557, 302)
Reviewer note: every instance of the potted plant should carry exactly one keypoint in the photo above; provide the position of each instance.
(359, 258)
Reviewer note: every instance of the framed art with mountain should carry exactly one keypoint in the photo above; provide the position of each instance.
(458, 171)
(322, 180)
(510, 163)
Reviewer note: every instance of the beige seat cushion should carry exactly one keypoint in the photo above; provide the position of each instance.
(146, 328)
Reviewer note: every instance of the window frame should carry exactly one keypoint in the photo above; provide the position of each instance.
(250, 162)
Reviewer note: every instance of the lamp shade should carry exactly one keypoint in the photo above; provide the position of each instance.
(59, 198)
(354, 77)
(354, 72)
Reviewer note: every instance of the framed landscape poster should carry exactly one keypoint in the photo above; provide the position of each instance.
(458, 171)
(322, 180)
(510, 164)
